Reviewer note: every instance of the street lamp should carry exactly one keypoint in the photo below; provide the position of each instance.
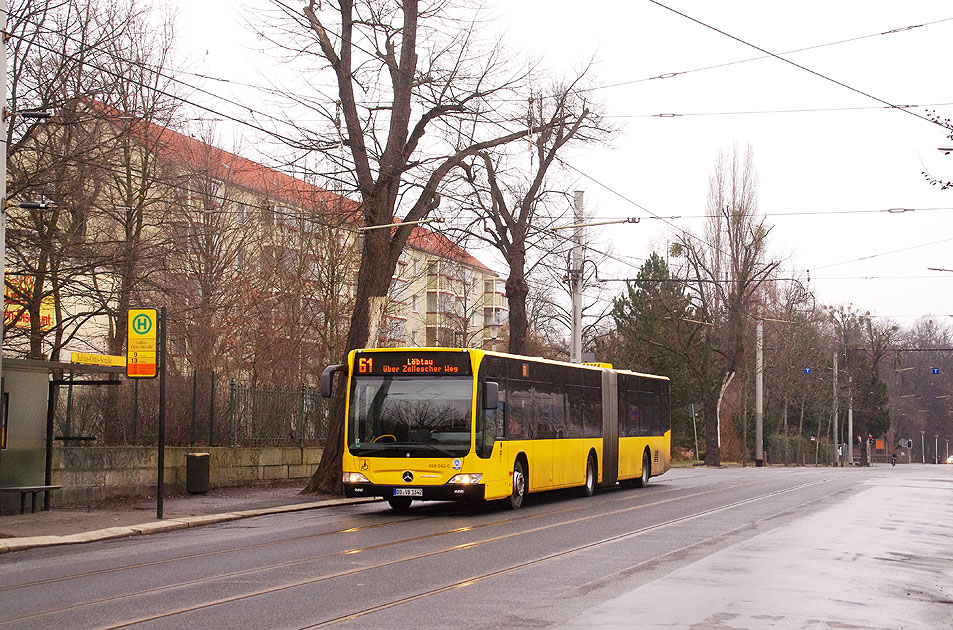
(582, 225)
(368, 228)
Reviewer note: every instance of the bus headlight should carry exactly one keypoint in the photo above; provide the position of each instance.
(351, 477)
(467, 478)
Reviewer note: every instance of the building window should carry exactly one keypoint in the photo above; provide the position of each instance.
(488, 286)
(413, 337)
(396, 330)
(447, 302)
(431, 302)
(413, 302)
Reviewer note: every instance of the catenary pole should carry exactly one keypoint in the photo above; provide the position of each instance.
(850, 424)
(575, 281)
(837, 453)
(759, 397)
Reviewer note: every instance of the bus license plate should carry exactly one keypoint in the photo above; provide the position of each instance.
(408, 492)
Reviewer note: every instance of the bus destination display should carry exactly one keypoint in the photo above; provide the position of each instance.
(413, 364)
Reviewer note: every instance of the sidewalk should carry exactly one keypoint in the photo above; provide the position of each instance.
(133, 517)
(879, 559)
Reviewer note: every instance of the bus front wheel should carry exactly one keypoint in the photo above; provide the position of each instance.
(519, 485)
(643, 481)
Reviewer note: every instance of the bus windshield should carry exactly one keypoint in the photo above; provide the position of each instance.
(394, 415)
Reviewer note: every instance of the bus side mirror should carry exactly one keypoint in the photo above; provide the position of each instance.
(491, 395)
(327, 378)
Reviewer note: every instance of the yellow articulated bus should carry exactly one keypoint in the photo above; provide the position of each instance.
(442, 424)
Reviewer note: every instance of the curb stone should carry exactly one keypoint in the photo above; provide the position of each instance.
(172, 524)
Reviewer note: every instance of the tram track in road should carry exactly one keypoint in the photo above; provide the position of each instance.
(397, 561)
(492, 574)
(316, 558)
(195, 556)
(294, 539)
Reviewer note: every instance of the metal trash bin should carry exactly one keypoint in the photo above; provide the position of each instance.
(197, 473)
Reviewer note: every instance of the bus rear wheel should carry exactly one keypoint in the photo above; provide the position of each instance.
(590, 486)
(643, 481)
(400, 504)
(519, 485)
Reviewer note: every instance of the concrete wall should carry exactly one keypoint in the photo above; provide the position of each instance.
(90, 474)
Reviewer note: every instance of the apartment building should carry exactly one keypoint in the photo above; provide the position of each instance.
(253, 257)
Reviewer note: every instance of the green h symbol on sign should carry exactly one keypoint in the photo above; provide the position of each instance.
(142, 324)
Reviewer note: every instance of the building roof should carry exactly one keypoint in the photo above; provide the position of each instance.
(200, 156)
(435, 243)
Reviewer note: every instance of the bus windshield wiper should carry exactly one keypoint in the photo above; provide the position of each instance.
(435, 448)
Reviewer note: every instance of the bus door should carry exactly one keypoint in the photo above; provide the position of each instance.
(610, 428)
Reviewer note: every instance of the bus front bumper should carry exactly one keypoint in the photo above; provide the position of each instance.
(446, 492)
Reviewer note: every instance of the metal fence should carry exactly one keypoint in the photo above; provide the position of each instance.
(798, 451)
(275, 415)
(201, 409)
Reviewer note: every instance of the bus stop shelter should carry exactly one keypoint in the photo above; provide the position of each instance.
(26, 424)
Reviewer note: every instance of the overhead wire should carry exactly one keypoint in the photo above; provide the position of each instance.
(168, 94)
(669, 75)
(601, 184)
(796, 213)
(795, 64)
(894, 251)
(772, 111)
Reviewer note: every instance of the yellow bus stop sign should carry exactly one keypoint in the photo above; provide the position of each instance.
(143, 333)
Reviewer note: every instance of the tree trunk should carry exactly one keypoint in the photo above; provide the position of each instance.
(372, 282)
(784, 417)
(712, 448)
(516, 292)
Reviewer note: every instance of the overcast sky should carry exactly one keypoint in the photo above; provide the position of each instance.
(828, 175)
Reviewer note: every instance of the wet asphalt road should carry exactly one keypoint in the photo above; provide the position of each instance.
(703, 548)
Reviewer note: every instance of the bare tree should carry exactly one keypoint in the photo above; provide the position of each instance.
(135, 116)
(302, 263)
(945, 123)
(202, 275)
(512, 204)
(725, 270)
(67, 56)
(401, 71)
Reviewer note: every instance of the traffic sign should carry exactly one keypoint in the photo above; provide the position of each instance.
(807, 370)
(143, 333)
(936, 370)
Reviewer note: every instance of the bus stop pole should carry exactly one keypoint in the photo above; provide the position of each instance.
(160, 479)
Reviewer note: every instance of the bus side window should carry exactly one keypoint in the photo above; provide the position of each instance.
(492, 429)
(519, 412)
(648, 403)
(576, 399)
(633, 416)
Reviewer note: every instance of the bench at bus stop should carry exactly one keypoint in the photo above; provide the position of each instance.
(32, 491)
